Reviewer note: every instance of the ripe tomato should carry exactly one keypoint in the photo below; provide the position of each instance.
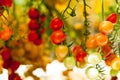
(61, 52)
(33, 13)
(115, 64)
(106, 27)
(76, 49)
(33, 25)
(56, 23)
(112, 18)
(81, 56)
(32, 36)
(101, 39)
(6, 33)
(90, 43)
(57, 37)
(108, 58)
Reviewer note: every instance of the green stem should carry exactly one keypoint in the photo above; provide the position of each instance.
(103, 10)
(86, 24)
(68, 6)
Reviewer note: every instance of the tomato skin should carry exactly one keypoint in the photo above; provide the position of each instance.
(76, 49)
(6, 33)
(56, 24)
(33, 25)
(61, 52)
(115, 64)
(32, 36)
(106, 27)
(33, 13)
(101, 39)
(81, 56)
(112, 18)
(57, 37)
(90, 43)
(108, 58)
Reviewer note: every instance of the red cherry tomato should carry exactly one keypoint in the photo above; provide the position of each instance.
(80, 56)
(57, 37)
(33, 25)
(77, 49)
(33, 13)
(112, 18)
(32, 36)
(56, 24)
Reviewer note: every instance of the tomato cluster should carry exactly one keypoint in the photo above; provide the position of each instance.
(8, 63)
(36, 26)
(57, 35)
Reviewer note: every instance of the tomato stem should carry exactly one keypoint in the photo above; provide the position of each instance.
(103, 10)
(86, 23)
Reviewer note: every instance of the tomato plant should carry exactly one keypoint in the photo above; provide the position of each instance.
(58, 36)
(56, 23)
(106, 27)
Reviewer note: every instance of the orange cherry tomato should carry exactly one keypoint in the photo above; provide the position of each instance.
(101, 39)
(108, 58)
(115, 64)
(90, 43)
(106, 27)
(6, 33)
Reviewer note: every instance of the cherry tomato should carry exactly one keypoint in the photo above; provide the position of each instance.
(108, 58)
(106, 49)
(57, 37)
(112, 18)
(61, 52)
(56, 24)
(113, 72)
(80, 56)
(6, 33)
(76, 49)
(33, 13)
(33, 25)
(115, 64)
(32, 36)
(106, 27)
(90, 43)
(69, 62)
(101, 39)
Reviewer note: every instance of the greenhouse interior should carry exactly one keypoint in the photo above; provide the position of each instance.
(59, 39)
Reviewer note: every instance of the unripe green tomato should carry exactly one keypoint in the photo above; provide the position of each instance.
(113, 72)
(92, 73)
(69, 62)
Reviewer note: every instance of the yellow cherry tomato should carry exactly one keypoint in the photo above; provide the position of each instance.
(115, 64)
(61, 52)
